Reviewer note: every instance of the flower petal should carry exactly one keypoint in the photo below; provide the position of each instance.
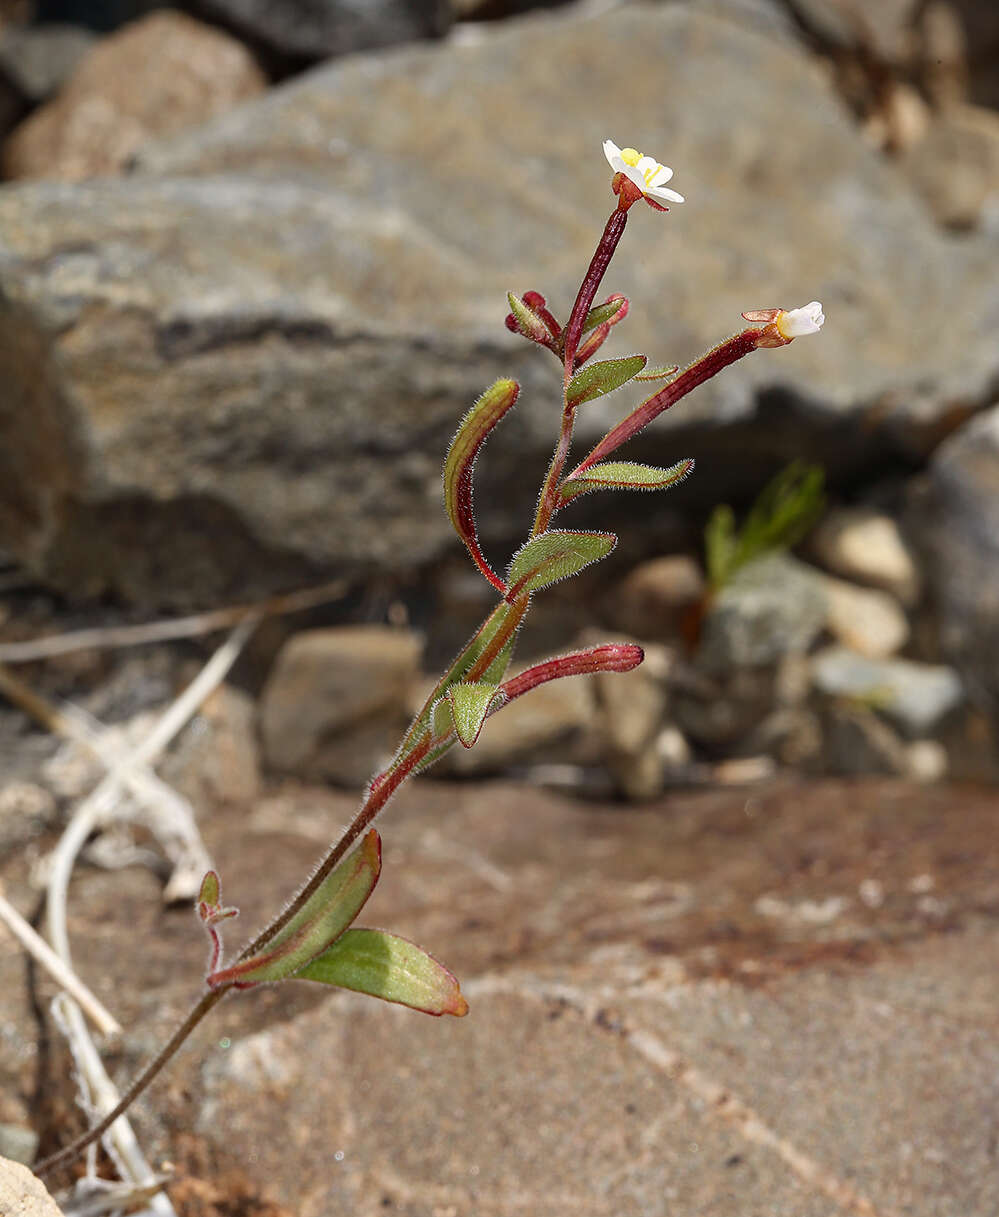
(799, 321)
(613, 154)
(660, 192)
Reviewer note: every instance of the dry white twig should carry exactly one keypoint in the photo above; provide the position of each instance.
(100, 1093)
(62, 974)
(106, 637)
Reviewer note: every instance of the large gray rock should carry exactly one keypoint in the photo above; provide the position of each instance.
(319, 29)
(245, 365)
(958, 519)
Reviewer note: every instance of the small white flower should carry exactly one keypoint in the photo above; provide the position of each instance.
(648, 175)
(799, 321)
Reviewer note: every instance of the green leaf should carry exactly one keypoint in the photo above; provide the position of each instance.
(317, 924)
(211, 890)
(782, 513)
(469, 706)
(595, 379)
(387, 966)
(624, 475)
(602, 312)
(556, 555)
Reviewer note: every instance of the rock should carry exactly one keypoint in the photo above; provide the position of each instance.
(883, 30)
(857, 742)
(792, 736)
(865, 620)
(18, 1143)
(309, 30)
(26, 811)
(770, 608)
(242, 365)
(215, 759)
(915, 696)
(629, 989)
(956, 167)
(943, 54)
(867, 547)
(743, 770)
(22, 1195)
(651, 601)
(37, 59)
(957, 517)
(980, 19)
(631, 707)
(336, 699)
(721, 714)
(926, 761)
(156, 76)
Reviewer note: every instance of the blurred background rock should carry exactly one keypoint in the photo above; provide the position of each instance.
(254, 257)
(253, 260)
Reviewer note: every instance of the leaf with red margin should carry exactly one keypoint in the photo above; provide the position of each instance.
(555, 555)
(392, 968)
(596, 379)
(624, 475)
(474, 428)
(317, 924)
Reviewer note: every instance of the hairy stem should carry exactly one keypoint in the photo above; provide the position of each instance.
(701, 370)
(611, 235)
(206, 1002)
(613, 230)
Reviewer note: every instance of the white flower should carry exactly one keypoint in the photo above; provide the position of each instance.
(648, 175)
(798, 321)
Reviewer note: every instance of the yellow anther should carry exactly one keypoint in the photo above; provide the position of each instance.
(630, 156)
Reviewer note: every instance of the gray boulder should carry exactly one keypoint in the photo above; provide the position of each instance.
(957, 515)
(242, 366)
(319, 29)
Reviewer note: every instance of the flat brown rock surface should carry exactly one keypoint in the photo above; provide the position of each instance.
(769, 1003)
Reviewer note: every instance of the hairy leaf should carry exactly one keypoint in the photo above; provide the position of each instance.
(604, 376)
(387, 966)
(318, 923)
(556, 555)
(602, 313)
(471, 434)
(624, 475)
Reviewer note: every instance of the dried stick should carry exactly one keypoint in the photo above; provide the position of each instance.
(120, 1138)
(171, 817)
(103, 638)
(61, 973)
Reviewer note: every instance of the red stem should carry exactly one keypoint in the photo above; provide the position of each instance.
(613, 230)
(700, 371)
